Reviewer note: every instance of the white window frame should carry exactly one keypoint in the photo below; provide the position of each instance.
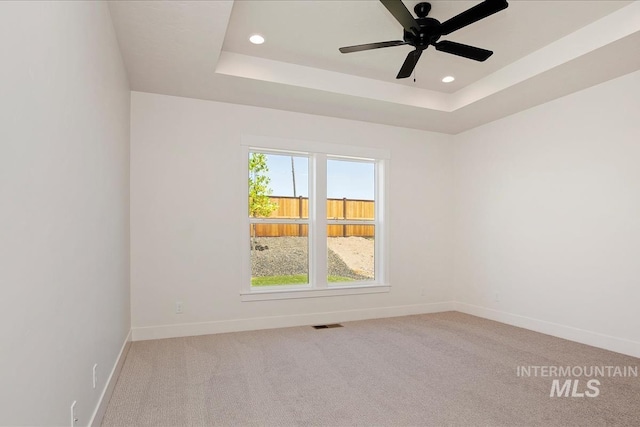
(318, 153)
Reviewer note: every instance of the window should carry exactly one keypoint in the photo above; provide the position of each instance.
(350, 220)
(278, 219)
(315, 221)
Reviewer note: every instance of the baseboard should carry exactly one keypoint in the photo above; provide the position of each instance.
(101, 407)
(607, 342)
(206, 328)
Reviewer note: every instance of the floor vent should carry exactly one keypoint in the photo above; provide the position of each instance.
(333, 325)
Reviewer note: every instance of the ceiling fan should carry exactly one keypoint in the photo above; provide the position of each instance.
(423, 31)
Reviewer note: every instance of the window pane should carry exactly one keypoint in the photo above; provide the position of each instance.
(351, 253)
(350, 189)
(279, 254)
(278, 186)
(290, 207)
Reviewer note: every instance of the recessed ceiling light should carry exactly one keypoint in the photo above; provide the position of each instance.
(448, 79)
(256, 39)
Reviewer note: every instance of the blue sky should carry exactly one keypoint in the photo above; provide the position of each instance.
(353, 180)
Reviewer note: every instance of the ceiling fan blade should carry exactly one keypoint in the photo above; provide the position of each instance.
(474, 14)
(402, 15)
(463, 50)
(369, 46)
(409, 64)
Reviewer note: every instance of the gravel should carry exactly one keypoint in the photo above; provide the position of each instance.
(356, 252)
(282, 256)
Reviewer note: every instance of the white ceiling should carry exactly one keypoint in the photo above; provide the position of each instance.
(542, 50)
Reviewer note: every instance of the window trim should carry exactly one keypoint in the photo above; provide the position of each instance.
(318, 154)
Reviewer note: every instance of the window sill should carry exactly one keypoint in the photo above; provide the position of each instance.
(278, 294)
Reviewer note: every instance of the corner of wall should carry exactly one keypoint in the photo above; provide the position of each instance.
(105, 397)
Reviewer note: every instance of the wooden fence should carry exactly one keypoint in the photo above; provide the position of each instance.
(298, 207)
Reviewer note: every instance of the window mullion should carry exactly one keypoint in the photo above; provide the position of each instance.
(319, 221)
(350, 222)
(246, 222)
(278, 220)
(381, 220)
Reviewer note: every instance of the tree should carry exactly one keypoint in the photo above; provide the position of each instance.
(260, 205)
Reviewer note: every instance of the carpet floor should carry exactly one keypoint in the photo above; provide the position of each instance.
(444, 369)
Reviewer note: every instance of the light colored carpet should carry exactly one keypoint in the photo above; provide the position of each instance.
(436, 369)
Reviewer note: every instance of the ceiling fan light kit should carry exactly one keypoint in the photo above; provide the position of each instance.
(422, 32)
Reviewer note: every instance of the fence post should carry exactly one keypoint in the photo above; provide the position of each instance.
(344, 216)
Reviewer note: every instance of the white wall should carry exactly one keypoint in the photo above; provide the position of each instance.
(186, 211)
(64, 228)
(548, 217)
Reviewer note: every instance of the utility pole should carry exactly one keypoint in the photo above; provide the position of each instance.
(293, 174)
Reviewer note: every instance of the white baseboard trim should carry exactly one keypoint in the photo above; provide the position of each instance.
(271, 322)
(607, 342)
(101, 407)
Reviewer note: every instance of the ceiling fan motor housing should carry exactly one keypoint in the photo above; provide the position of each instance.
(429, 33)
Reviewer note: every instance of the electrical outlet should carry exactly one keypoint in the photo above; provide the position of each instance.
(74, 418)
(178, 307)
(95, 375)
(496, 297)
